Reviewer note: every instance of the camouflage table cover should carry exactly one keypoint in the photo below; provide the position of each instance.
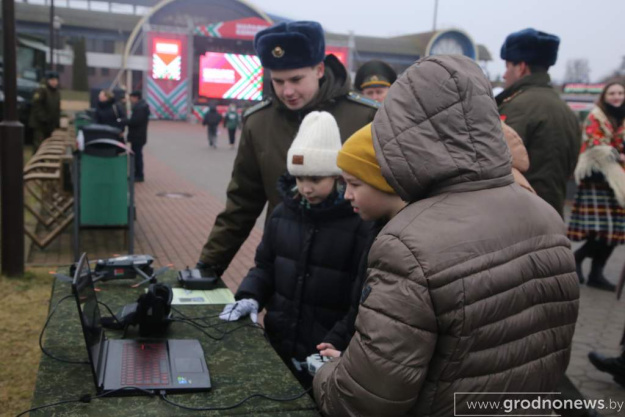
(241, 364)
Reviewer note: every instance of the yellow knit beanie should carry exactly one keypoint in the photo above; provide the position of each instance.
(357, 157)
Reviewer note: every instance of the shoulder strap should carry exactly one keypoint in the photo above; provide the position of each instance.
(257, 107)
(360, 99)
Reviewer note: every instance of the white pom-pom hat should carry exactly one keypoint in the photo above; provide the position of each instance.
(315, 148)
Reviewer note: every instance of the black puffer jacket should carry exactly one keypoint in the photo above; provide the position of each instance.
(111, 114)
(306, 265)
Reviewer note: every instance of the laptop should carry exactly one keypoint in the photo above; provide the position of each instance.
(166, 364)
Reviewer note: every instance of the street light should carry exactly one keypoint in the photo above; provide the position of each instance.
(57, 22)
(51, 40)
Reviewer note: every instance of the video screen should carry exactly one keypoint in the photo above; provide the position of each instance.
(166, 59)
(230, 76)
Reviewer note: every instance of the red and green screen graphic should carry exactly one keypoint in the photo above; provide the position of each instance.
(230, 76)
(166, 59)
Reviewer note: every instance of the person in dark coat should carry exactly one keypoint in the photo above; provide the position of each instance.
(303, 80)
(110, 113)
(45, 114)
(531, 107)
(307, 261)
(212, 120)
(232, 121)
(138, 130)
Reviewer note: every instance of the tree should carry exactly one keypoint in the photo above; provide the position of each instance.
(577, 71)
(79, 78)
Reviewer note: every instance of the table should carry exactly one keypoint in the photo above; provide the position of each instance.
(241, 364)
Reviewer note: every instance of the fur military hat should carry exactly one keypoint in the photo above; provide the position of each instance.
(531, 46)
(52, 75)
(315, 148)
(290, 45)
(374, 73)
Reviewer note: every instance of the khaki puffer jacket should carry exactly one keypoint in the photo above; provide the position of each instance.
(471, 287)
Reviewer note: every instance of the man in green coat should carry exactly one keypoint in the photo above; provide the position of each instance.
(45, 114)
(303, 80)
(531, 106)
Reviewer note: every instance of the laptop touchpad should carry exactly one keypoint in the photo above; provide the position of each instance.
(188, 365)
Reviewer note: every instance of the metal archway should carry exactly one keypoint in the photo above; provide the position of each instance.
(135, 32)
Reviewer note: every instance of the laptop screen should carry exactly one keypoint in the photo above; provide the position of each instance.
(84, 291)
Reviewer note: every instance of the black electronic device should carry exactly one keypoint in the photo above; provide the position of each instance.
(124, 267)
(136, 365)
(192, 279)
(151, 312)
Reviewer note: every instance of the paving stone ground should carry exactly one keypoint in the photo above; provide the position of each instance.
(179, 161)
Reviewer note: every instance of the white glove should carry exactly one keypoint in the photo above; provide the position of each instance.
(242, 308)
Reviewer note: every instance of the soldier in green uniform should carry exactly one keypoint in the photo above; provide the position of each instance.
(303, 80)
(374, 78)
(531, 106)
(45, 114)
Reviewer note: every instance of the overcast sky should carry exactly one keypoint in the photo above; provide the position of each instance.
(587, 29)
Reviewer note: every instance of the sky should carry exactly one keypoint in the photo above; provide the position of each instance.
(593, 30)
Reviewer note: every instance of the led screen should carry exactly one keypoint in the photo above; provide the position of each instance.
(230, 76)
(166, 59)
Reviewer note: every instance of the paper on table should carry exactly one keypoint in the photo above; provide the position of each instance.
(196, 297)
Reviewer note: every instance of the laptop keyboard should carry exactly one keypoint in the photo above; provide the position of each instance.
(144, 364)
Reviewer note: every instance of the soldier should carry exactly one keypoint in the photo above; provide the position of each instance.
(531, 106)
(374, 78)
(303, 80)
(45, 114)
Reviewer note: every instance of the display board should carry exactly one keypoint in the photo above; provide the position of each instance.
(230, 76)
(167, 79)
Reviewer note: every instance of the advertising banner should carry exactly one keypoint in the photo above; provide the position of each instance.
(167, 80)
(233, 29)
(230, 76)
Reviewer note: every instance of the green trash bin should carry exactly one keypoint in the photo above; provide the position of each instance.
(103, 184)
(103, 190)
(81, 120)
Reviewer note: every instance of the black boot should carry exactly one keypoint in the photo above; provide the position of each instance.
(585, 251)
(613, 366)
(599, 260)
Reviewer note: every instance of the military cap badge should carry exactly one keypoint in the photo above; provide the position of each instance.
(277, 52)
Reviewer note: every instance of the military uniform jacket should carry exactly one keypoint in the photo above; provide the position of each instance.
(550, 131)
(267, 133)
(46, 110)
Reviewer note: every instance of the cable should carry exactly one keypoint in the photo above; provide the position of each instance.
(224, 333)
(230, 407)
(86, 399)
(110, 312)
(44, 329)
(202, 318)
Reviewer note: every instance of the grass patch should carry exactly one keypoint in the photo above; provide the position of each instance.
(23, 309)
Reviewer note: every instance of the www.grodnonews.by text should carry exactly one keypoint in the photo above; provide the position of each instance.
(531, 401)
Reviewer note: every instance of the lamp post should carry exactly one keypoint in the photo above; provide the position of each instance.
(57, 22)
(11, 156)
(435, 13)
(51, 35)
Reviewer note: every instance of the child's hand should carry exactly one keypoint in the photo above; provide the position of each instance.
(328, 349)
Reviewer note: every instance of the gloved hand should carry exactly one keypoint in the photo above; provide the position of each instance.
(242, 308)
(208, 270)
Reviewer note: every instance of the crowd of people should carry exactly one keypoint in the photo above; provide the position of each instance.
(415, 231)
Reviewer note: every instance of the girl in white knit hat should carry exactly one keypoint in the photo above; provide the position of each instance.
(310, 251)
